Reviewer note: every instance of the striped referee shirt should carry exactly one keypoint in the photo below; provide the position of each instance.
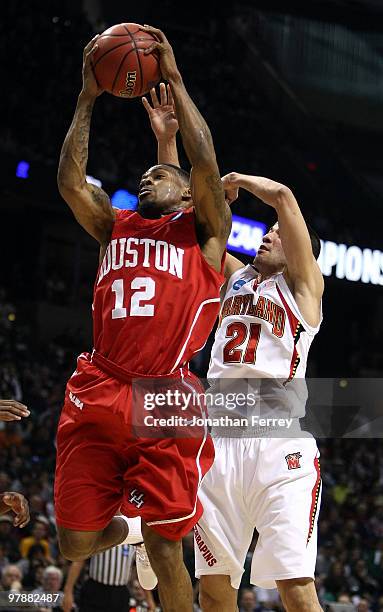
(113, 566)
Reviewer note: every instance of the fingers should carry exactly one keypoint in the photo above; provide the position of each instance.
(146, 104)
(11, 410)
(153, 47)
(9, 498)
(166, 98)
(8, 416)
(170, 95)
(163, 94)
(91, 52)
(19, 505)
(90, 48)
(22, 519)
(158, 34)
(90, 44)
(153, 95)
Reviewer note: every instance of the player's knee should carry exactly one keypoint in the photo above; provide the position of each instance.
(216, 592)
(207, 601)
(299, 595)
(165, 555)
(76, 546)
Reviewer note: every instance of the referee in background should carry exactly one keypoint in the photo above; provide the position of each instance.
(106, 588)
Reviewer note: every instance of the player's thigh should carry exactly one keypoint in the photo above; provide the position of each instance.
(161, 482)
(299, 595)
(217, 594)
(89, 467)
(286, 509)
(224, 532)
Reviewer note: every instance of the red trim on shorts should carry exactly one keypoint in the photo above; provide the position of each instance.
(294, 326)
(314, 499)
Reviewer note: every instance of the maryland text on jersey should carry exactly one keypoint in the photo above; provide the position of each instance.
(263, 308)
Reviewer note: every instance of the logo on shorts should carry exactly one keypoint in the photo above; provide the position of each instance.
(204, 550)
(136, 498)
(292, 461)
(75, 400)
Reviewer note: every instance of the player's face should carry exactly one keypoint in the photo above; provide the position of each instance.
(270, 254)
(161, 189)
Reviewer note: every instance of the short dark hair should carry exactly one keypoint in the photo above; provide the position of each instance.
(183, 174)
(315, 241)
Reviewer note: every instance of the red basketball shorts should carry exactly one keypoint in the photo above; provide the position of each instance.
(102, 467)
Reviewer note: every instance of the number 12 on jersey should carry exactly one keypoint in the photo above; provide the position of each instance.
(144, 289)
(239, 333)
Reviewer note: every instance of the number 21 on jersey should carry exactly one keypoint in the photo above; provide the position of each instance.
(239, 333)
(144, 289)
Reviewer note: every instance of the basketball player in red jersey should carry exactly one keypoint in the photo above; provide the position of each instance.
(156, 299)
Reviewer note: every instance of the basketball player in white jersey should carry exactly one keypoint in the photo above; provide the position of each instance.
(270, 314)
(271, 311)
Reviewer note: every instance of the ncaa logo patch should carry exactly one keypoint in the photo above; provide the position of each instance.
(238, 284)
(292, 461)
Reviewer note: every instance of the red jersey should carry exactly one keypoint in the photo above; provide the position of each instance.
(156, 298)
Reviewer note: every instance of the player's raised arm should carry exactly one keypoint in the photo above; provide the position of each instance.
(302, 267)
(213, 214)
(90, 204)
(163, 120)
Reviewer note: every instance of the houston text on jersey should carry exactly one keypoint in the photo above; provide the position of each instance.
(132, 252)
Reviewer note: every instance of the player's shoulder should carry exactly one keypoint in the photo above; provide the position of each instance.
(240, 277)
(123, 214)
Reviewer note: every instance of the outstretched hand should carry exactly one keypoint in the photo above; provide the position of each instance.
(230, 184)
(89, 83)
(162, 46)
(11, 410)
(18, 504)
(162, 114)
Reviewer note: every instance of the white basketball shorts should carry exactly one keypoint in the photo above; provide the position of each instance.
(273, 485)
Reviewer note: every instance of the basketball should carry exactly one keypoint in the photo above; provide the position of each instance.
(119, 63)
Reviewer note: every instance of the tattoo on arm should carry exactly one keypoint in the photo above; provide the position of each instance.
(74, 153)
(82, 142)
(214, 184)
(99, 196)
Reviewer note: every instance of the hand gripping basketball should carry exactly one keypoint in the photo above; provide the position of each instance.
(168, 65)
(89, 82)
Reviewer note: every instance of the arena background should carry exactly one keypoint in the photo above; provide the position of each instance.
(291, 93)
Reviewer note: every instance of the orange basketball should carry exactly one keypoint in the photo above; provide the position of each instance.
(119, 63)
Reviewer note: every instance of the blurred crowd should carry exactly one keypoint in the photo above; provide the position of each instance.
(350, 557)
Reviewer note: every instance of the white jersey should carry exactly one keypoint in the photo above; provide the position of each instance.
(270, 478)
(262, 335)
